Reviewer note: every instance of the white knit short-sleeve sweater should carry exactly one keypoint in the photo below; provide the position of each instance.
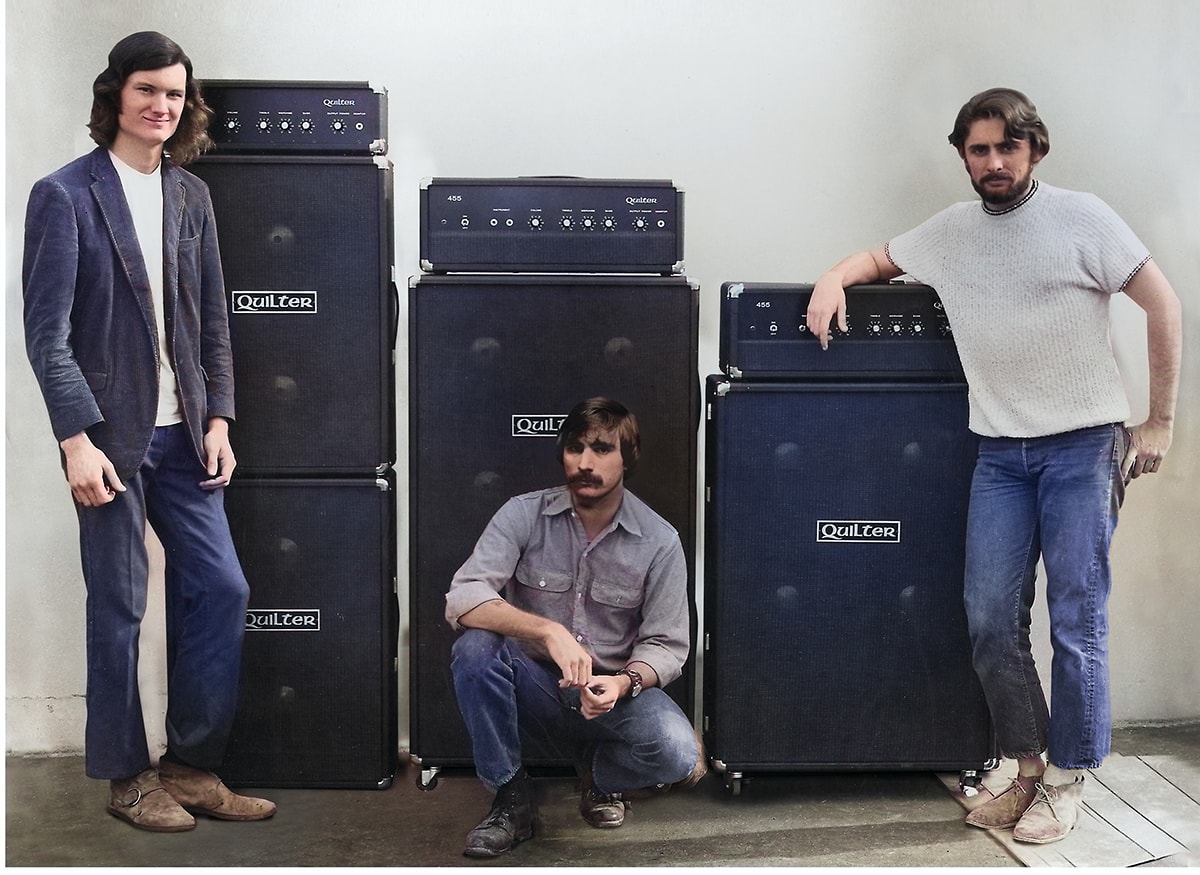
(1027, 292)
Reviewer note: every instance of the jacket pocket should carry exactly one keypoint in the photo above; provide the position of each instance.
(96, 380)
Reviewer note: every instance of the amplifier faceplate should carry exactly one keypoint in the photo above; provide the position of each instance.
(334, 118)
(894, 330)
(551, 224)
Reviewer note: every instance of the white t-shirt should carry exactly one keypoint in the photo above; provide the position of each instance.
(1027, 292)
(143, 193)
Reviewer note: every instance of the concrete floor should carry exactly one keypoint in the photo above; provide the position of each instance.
(56, 816)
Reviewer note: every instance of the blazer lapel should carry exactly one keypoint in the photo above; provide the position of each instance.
(110, 197)
(173, 206)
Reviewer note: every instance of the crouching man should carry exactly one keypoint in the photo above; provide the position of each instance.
(575, 610)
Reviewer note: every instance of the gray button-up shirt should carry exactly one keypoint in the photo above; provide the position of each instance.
(624, 596)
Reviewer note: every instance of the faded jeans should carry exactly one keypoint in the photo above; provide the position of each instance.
(206, 598)
(1056, 498)
(505, 695)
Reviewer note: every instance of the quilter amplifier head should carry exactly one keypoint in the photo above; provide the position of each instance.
(326, 118)
(551, 224)
(895, 331)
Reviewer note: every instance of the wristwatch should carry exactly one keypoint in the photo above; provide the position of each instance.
(635, 678)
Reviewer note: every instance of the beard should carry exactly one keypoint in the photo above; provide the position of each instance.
(1016, 191)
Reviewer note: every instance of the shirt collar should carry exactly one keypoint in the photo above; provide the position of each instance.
(559, 501)
(1033, 187)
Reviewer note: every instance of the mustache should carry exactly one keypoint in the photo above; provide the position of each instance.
(584, 479)
(997, 177)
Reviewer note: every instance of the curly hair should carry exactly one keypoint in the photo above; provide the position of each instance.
(1020, 116)
(149, 50)
(603, 414)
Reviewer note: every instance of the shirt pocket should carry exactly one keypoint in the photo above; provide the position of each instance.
(537, 580)
(617, 613)
(617, 595)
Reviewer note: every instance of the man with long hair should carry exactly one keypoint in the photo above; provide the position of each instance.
(127, 330)
(1026, 277)
(575, 614)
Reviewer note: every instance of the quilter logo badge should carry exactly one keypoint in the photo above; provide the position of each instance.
(284, 620)
(275, 302)
(858, 531)
(536, 424)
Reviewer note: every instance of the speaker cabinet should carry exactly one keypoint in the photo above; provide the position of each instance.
(496, 364)
(306, 247)
(317, 703)
(834, 552)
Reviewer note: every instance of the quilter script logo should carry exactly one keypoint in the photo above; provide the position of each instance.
(274, 302)
(284, 620)
(536, 425)
(858, 531)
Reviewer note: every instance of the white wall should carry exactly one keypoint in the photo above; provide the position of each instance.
(800, 129)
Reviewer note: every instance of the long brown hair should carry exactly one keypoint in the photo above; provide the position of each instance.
(149, 50)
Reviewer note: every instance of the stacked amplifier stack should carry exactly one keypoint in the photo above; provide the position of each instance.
(303, 201)
(835, 520)
(536, 294)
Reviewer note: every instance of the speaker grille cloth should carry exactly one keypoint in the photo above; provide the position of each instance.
(843, 652)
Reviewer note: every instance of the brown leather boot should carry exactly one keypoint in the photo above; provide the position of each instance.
(601, 810)
(1006, 809)
(144, 803)
(201, 792)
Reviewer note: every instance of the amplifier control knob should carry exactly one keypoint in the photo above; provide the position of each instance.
(338, 126)
(609, 223)
(588, 223)
(285, 125)
(918, 328)
(306, 125)
(232, 125)
(639, 223)
(264, 125)
(566, 223)
(875, 328)
(535, 222)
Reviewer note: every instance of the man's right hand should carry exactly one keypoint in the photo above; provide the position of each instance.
(90, 474)
(829, 292)
(828, 300)
(569, 655)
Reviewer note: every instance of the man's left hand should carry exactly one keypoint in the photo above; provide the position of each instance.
(1148, 446)
(602, 694)
(218, 452)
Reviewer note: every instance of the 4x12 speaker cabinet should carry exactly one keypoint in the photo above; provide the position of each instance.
(835, 531)
(496, 364)
(306, 247)
(317, 705)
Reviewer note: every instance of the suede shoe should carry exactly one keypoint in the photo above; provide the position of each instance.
(508, 823)
(1052, 816)
(202, 792)
(1006, 808)
(144, 803)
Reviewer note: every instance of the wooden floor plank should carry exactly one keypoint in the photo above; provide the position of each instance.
(1126, 819)
(1183, 775)
(1155, 798)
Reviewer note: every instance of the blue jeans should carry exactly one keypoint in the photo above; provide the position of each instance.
(1056, 497)
(206, 598)
(506, 696)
